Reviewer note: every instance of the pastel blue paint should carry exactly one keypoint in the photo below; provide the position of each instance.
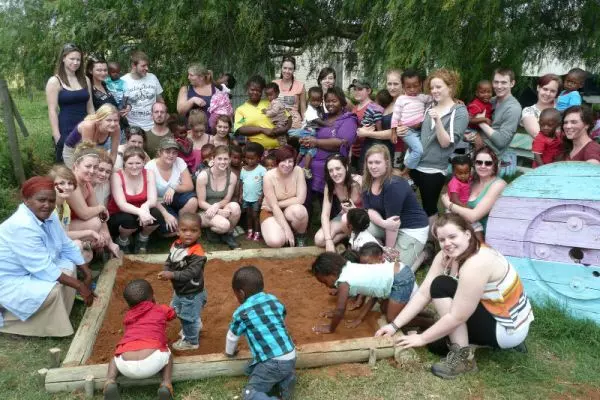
(569, 180)
(547, 223)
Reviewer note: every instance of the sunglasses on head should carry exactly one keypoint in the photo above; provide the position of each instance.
(70, 47)
(487, 163)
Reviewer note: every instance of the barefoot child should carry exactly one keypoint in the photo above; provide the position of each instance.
(185, 269)
(142, 351)
(260, 317)
(251, 179)
(547, 145)
(390, 281)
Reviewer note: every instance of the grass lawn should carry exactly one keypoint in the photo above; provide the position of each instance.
(563, 358)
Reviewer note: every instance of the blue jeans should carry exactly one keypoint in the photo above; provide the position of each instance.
(178, 202)
(403, 284)
(302, 133)
(415, 148)
(266, 375)
(189, 309)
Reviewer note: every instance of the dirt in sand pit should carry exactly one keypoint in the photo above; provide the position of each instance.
(288, 279)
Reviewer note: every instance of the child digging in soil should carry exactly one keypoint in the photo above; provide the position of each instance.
(261, 318)
(185, 269)
(143, 350)
(392, 282)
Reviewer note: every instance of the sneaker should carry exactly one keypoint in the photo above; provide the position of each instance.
(123, 245)
(229, 240)
(184, 345)
(301, 240)
(460, 360)
(256, 237)
(250, 235)
(140, 245)
(212, 237)
(238, 231)
(521, 348)
(307, 173)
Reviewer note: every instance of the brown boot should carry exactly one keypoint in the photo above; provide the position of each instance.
(460, 360)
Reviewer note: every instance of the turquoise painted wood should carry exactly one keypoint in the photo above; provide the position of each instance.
(547, 223)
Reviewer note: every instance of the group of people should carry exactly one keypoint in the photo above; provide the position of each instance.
(131, 169)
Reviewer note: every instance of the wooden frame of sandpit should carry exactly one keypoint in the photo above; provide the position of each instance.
(74, 374)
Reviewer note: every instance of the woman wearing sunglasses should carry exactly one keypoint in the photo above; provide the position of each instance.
(485, 190)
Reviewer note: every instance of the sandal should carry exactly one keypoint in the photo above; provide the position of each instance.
(165, 392)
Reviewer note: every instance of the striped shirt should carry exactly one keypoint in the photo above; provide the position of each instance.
(261, 319)
(507, 302)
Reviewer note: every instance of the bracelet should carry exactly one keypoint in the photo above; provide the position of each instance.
(393, 325)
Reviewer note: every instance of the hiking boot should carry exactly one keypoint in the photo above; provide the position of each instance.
(521, 348)
(460, 360)
(141, 244)
(229, 240)
(301, 240)
(123, 245)
(184, 345)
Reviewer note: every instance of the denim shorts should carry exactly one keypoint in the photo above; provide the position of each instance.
(403, 284)
(255, 205)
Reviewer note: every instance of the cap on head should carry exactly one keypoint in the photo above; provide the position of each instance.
(362, 84)
(168, 143)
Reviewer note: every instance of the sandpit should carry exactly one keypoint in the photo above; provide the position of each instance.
(288, 279)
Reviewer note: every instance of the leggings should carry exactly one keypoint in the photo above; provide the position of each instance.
(481, 325)
(130, 221)
(430, 186)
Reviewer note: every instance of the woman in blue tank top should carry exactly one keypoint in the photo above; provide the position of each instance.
(68, 96)
(198, 93)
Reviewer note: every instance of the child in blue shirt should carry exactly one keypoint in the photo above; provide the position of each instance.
(260, 317)
(116, 85)
(251, 178)
(570, 96)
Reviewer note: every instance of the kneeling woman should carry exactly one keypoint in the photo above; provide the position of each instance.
(477, 294)
(132, 207)
(215, 187)
(283, 208)
(342, 193)
(37, 267)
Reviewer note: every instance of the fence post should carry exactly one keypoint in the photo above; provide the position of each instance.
(11, 131)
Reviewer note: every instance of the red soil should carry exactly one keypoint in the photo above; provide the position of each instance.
(288, 279)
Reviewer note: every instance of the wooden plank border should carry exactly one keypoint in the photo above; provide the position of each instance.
(85, 337)
(212, 365)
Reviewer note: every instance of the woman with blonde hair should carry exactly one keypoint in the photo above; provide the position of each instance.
(397, 218)
(68, 96)
(96, 128)
(86, 213)
(198, 93)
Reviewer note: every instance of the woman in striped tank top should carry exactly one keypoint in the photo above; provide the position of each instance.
(476, 292)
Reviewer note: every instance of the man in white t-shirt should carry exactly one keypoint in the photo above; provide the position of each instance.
(142, 90)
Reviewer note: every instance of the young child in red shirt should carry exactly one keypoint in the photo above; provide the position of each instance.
(142, 351)
(547, 145)
(481, 103)
(177, 125)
